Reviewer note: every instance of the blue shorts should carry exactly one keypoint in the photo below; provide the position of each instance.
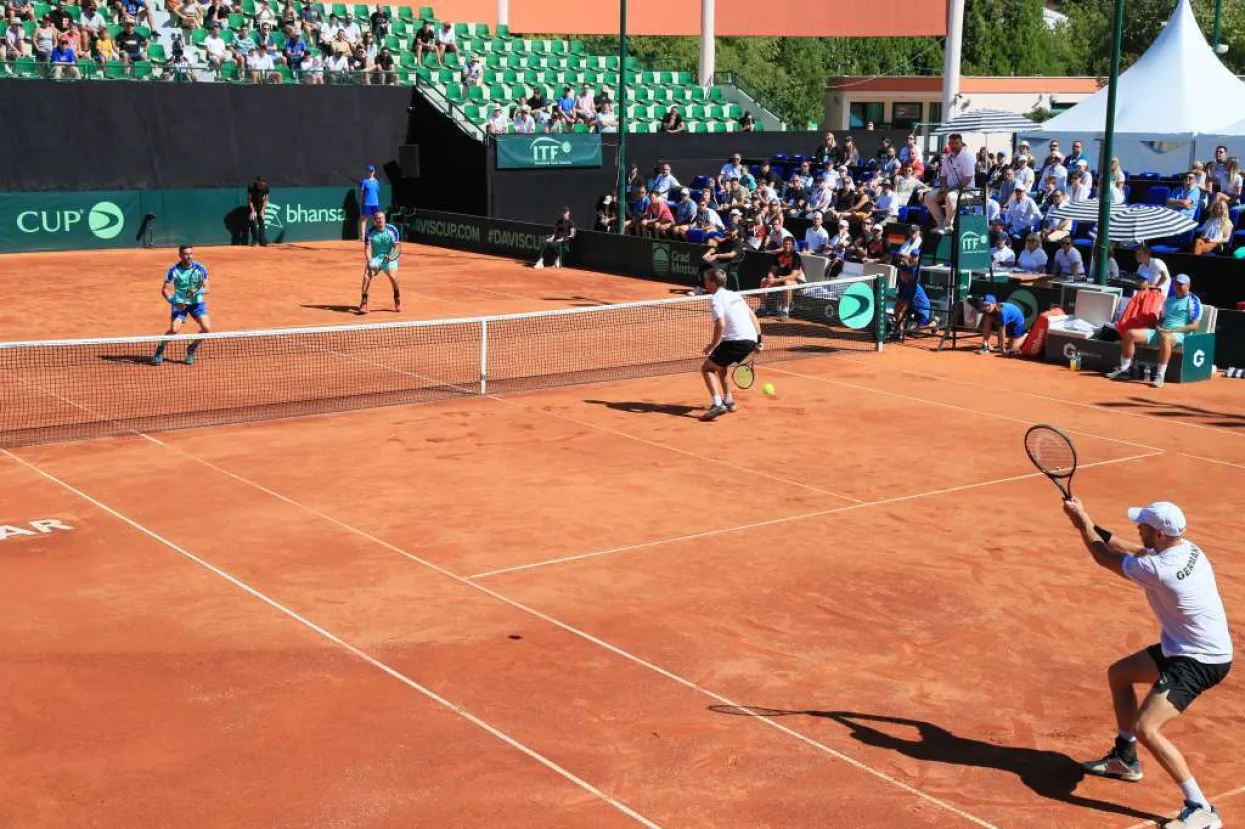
(198, 311)
(1015, 328)
(921, 315)
(1153, 338)
(370, 210)
(379, 263)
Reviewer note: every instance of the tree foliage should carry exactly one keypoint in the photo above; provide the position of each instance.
(1001, 37)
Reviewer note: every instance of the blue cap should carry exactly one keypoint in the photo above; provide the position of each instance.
(371, 168)
(989, 299)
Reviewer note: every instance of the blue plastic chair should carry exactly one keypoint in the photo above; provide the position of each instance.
(700, 182)
(1158, 194)
(1174, 244)
(696, 236)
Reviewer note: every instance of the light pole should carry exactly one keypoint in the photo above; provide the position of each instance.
(622, 116)
(1102, 245)
(1218, 21)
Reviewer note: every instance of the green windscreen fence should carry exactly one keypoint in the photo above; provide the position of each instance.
(205, 216)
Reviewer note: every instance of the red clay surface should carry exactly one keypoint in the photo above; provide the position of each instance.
(854, 604)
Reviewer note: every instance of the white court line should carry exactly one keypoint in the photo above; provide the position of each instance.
(790, 518)
(769, 722)
(955, 407)
(1148, 824)
(1219, 461)
(336, 640)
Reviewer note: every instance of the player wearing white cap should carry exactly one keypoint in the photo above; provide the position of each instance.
(1194, 653)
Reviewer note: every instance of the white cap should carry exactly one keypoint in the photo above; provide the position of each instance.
(1163, 516)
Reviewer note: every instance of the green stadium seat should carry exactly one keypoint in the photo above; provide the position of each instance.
(426, 13)
(452, 61)
(142, 70)
(759, 127)
(481, 30)
(196, 37)
(362, 11)
(662, 95)
(236, 20)
(406, 13)
(463, 30)
(496, 92)
(684, 78)
(40, 9)
(699, 93)
(510, 76)
(538, 47)
(477, 94)
(577, 47)
(447, 77)
(420, 74)
(454, 93)
(502, 32)
(472, 111)
(715, 95)
(558, 47)
(393, 42)
(734, 111)
(228, 71)
(719, 126)
(715, 112)
(155, 52)
(580, 128)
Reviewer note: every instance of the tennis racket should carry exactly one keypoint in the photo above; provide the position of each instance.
(1053, 453)
(744, 374)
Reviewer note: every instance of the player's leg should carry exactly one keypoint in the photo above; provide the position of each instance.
(391, 271)
(1121, 762)
(1128, 347)
(987, 326)
(176, 320)
(1167, 342)
(713, 382)
(368, 273)
(900, 317)
(200, 316)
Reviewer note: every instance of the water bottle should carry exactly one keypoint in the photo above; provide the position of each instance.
(1145, 372)
(1074, 364)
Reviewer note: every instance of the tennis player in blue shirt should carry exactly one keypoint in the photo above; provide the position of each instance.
(185, 289)
(382, 245)
(369, 199)
(1010, 321)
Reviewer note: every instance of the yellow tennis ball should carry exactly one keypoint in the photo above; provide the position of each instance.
(768, 388)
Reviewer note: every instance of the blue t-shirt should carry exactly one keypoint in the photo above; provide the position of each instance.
(914, 293)
(1011, 316)
(371, 192)
(567, 105)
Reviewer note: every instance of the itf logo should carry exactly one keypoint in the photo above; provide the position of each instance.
(971, 242)
(106, 220)
(548, 152)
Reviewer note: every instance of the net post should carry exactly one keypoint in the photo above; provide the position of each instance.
(879, 302)
(483, 356)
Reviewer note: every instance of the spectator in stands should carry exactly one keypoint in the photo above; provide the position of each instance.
(1215, 232)
(1082, 166)
(370, 46)
(794, 199)
(262, 66)
(1216, 167)
(1078, 188)
(909, 150)
(1181, 315)
(310, 18)
(870, 246)
(602, 98)
(338, 64)
(1186, 199)
(131, 44)
(524, 123)
(1075, 157)
(65, 60)
(215, 47)
(848, 156)
(1229, 181)
(722, 252)
(908, 256)
(788, 269)
(45, 36)
(564, 231)
(1022, 214)
(816, 237)
(820, 199)
(265, 38)
(657, 218)
(734, 168)
(262, 15)
(1199, 176)
(289, 19)
(381, 21)
(907, 186)
(20, 10)
(326, 34)
(445, 41)
(105, 49)
(663, 182)
(886, 208)
(1001, 252)
(566, 104)
(1023, 173)
(1068, 263)
(982, 166)
(607, 214)
(1054, 167)
(60, 18)
(1047, 192)
(993, 209)
(91, 22)
(425, 42)
(606, 120)
(1007, 185)
(1055, 229)
(672, 121)
(1151, 272)
(498, 123)
(1032, 259)
(862, 206)
(637, 210)
(385, 68)
(472, 74)
(295, 53)
(16, 44)
(585, 106)
(243, 45)
(826, 151)
(747, 123)
(313, 69)
(354, 34)
(684, 211)
(955, 174)
(708, 219)
(888, 164)
(538, 101)
(1117, 182)
(841, 241)
(777, 234)
(134, 8)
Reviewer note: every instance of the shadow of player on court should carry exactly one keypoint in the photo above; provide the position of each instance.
(1050, 774)
(636, 407)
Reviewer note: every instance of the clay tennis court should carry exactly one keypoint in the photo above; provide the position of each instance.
(854, 604)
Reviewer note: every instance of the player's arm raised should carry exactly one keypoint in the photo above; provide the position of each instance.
(1108, 551)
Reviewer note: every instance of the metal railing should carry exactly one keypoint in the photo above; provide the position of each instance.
(741, 82)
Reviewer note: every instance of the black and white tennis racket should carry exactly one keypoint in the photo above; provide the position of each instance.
(744, 374)
(1054, 454)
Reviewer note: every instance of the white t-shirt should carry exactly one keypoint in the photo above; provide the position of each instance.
(816, 238)
(1032, 261)
(260, 61)
(733, 310)
(958, 170)
(1070, 262)
(1180, 587)
(1154, 270)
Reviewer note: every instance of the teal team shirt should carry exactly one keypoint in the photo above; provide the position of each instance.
(188, 283)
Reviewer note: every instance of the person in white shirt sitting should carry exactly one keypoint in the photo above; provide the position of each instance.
(956, 172)
(445, 41)
(1068, 262)
(262, 67)
(1087, 178)
(472, 74)
(1022, 214)
(1032, 260)
(498, 124)
(816, 237)
(216, 48)
(1002, 254)
(1078, 189)
(820, 200)
(1215, 232)
(733, 168)
(1024, 173)
(1152, 272)
(886, 207)
(338, 66)
(841, 241)
(606, 120)
(1055, 229)
(524, 123)
(313, 69)
(1054, 167)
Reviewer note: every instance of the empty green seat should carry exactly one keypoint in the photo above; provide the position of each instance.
(155, 53)
(502, 32)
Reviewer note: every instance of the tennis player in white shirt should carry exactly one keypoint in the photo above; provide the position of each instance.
(1193, 655)
(956, 173)
(736, 334)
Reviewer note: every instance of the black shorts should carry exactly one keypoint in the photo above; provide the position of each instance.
(730, 352)
(1183, 678)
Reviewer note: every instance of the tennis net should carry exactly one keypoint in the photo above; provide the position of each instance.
(56, 390)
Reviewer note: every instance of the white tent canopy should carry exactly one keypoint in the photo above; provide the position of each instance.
(1177, 91)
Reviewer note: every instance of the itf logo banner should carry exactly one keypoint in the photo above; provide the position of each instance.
(538, 152)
